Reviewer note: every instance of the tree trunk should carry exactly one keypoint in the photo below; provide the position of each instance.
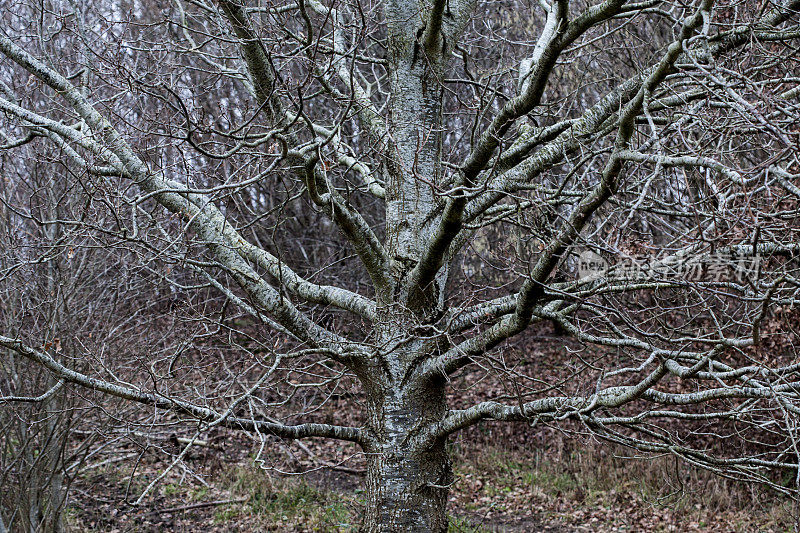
(407, 483)
(407, 488)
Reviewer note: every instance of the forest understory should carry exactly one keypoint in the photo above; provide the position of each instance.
(509, 477)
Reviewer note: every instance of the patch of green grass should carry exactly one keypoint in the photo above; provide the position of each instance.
(553, 483)
(226, 514)
(463, 525)
(508, 472)
(199, 493)
(280, 503)
(171, 489)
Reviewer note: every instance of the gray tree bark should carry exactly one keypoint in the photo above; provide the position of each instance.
(407, 482)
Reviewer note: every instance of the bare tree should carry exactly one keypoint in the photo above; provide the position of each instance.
(75, 292)
(393, 190)
(33, 451)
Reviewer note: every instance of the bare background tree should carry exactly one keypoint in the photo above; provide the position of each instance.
(214, 210)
